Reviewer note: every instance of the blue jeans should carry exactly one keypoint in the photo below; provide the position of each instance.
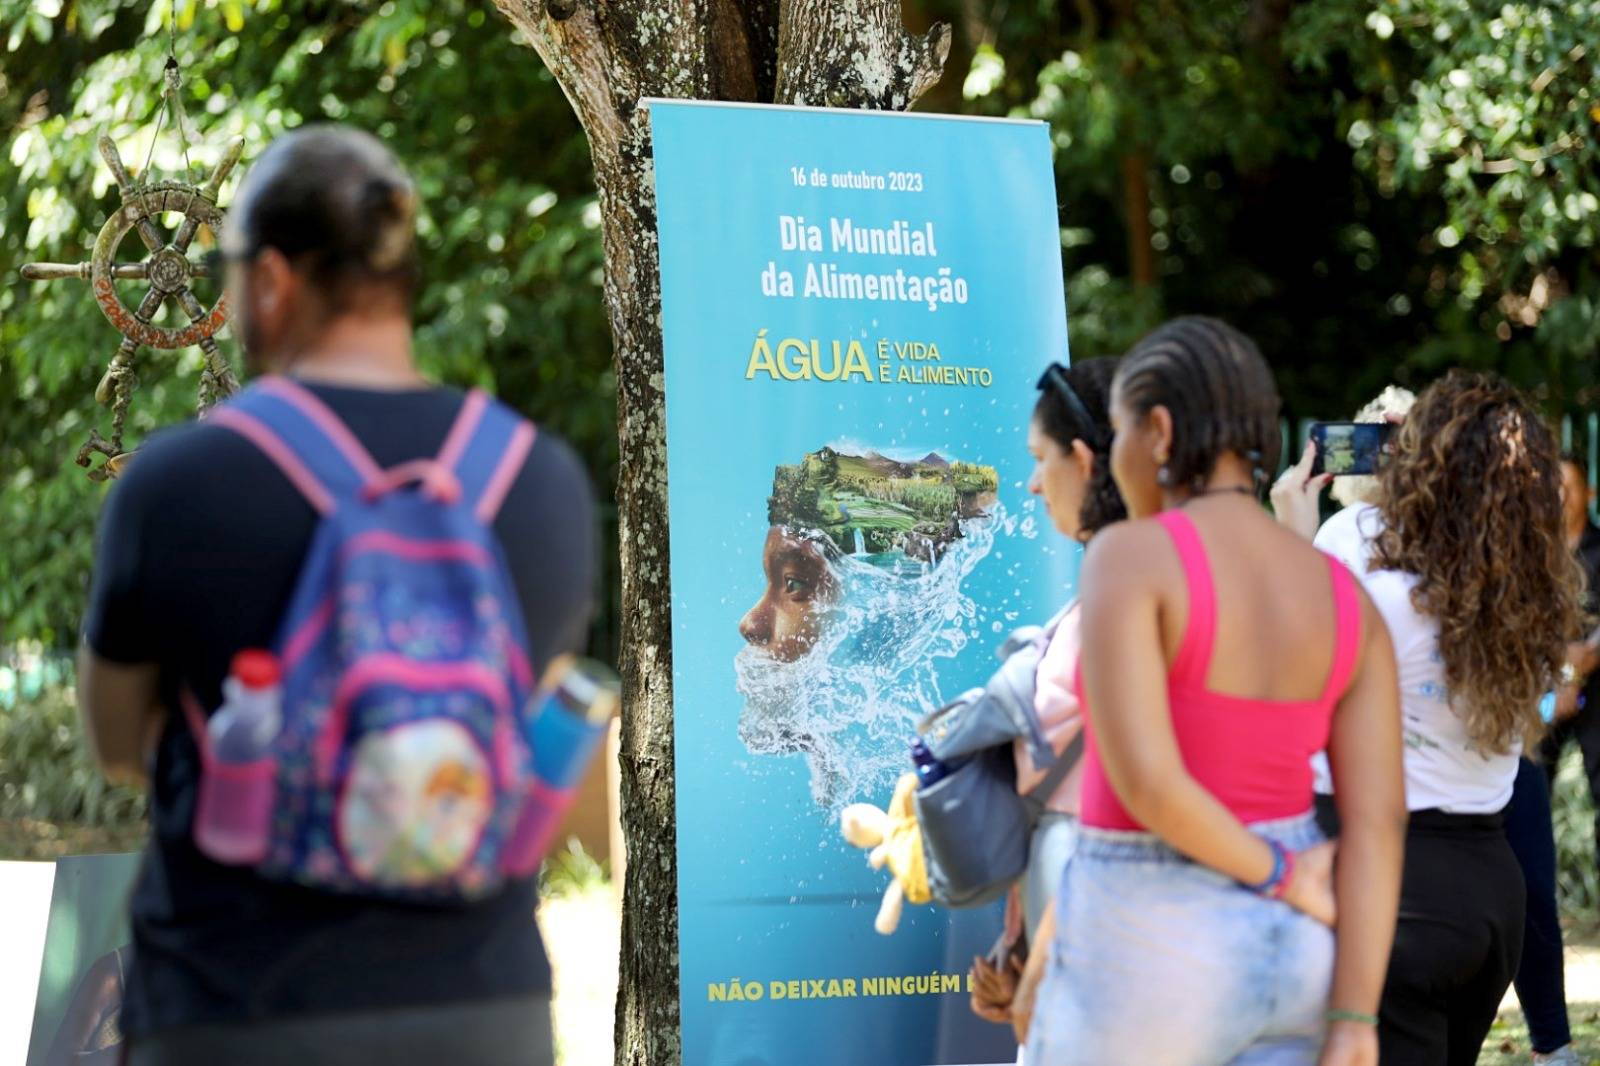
(1161, 962)
(1541, 980)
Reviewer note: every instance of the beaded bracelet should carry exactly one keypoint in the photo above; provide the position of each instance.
(1337, 1015)
(1277, 891)
(1278, 879)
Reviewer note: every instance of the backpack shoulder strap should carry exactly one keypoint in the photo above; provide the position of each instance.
(302, 437)
(1065, 761)
(485, 449)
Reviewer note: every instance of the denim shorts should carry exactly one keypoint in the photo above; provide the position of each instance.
(1161, 962)
(1054, 840)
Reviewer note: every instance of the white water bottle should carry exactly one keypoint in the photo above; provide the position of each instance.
(233, 816)
(244, 727)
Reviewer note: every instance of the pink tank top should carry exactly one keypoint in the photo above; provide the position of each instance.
(1253, 755)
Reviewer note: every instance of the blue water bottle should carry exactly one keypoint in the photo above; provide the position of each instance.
(930, 770)
(564, 729)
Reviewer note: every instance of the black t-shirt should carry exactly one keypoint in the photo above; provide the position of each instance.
(1589, 559)
(198, 551)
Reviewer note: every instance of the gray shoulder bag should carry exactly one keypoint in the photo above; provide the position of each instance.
(976, 827)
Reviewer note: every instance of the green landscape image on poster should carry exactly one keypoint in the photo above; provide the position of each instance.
(872, 504)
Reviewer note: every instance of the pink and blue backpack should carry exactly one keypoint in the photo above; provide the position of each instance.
(400, 770)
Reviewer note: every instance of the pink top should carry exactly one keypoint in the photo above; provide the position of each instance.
(1055, 701)
(1254, 755)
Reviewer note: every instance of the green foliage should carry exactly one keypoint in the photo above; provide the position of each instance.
(509, 227)
(1496, 117)
(46, 773)
(929, 499)
(1494, 121)
(572, 872)
(1572, 810)
(972, 478)
(1374, 189)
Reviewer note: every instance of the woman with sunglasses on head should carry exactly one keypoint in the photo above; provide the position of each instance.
(1464, 556)
(1069, 438)
(1197, 919)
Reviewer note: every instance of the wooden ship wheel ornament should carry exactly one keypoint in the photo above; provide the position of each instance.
(168, 271)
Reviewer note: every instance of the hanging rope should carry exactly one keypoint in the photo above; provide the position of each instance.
(171, 97)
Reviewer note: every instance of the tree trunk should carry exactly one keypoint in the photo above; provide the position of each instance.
(1136, 213)
(607, 55)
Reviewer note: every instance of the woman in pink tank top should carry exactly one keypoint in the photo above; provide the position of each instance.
(1202, 920)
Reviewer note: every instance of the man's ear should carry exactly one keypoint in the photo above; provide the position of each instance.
(273, 283)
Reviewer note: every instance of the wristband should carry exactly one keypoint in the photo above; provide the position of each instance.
(1277, 891)
(1282, 864)
(1337, 1015)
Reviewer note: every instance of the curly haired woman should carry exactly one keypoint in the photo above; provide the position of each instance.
(1466, 562)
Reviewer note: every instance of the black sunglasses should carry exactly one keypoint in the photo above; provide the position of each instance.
(1055, 377)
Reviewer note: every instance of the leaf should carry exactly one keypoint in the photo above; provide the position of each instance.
(233, 15)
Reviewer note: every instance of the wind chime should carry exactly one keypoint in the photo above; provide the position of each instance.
(167, 270)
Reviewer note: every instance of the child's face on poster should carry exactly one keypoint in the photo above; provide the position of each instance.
(786, 621)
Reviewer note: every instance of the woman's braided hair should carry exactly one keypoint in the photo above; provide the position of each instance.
(1214, 383)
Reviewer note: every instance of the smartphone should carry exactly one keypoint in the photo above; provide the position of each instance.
(1349, 448)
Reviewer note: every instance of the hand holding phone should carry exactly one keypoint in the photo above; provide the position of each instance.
(1346, 449)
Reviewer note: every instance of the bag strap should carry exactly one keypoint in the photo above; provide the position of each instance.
(302, 437)
(486, 449)
(1036, 738)
(195, 717)
(1065, 761)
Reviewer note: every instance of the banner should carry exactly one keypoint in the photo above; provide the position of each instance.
(77, 1017)
(856, 308)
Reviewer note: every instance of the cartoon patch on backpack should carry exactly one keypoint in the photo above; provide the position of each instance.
(417, 800)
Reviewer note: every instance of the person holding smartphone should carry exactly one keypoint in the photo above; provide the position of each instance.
(1463, 555)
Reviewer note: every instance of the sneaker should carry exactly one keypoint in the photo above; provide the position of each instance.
(1560, 1057)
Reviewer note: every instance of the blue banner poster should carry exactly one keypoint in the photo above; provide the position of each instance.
(77, 1016)
(856, 310)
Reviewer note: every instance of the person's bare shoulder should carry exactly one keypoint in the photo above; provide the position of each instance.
(1130, 556)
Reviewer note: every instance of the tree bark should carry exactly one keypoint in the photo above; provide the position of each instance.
(826, 59)
(1135, 164)
(607, 55)
(1136, 213)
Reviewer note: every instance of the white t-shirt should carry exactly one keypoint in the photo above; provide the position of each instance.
(1349, 534)
(1443, 770)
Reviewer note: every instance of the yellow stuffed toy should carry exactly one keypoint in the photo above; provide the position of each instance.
(896, 840)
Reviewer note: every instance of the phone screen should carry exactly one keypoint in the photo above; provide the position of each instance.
(1350, 448)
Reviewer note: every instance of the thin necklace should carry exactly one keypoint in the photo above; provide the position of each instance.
(1242, 490)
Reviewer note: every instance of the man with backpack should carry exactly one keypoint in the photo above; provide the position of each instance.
(409, 560)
